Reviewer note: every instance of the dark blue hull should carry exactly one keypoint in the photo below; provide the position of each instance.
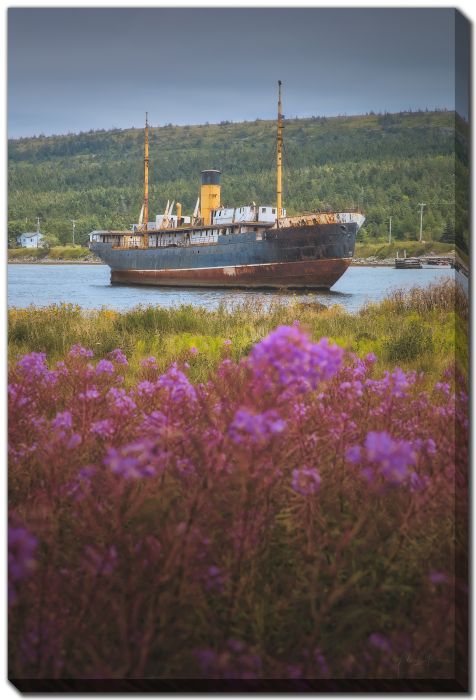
(304, 256)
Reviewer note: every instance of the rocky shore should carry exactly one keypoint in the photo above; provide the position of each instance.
(93, 260)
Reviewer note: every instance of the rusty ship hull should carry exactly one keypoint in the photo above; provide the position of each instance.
(294, 257)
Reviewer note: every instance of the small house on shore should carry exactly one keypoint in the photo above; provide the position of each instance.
(31, 240)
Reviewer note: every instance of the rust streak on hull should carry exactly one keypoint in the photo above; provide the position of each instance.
(311, 274)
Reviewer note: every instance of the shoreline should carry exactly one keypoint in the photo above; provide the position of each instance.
(54, 262)
(358, 262)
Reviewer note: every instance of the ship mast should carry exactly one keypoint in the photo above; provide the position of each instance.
(145, 219)
(279, 160)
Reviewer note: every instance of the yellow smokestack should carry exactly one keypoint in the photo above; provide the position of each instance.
(209, 194)
(179, 213)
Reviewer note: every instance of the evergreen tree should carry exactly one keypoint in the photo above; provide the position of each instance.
(448, 233)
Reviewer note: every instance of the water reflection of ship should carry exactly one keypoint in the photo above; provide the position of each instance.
(247, 246)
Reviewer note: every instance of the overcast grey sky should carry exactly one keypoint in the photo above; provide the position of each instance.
(72, 70)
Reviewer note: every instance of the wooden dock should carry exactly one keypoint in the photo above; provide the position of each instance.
(432, 261)
(408, 263)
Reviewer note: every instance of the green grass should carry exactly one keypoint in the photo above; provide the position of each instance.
(20, 253)
(69, 253)
(55, 253)
(413, 248)
(415, 329)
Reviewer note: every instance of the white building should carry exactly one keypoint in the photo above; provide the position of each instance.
(251, 212)
(31, 240)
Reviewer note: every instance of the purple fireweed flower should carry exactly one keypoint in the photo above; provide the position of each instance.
(193, 350)
(301, 410)
(358, 371)
(177, 385)
(16, 396)
(34, 364)
(354, 388)
(118, 357)
(305, 481)
(148, 362)
(62, 420)
(61, 369)
(227, 342)
(146, 388)
(89, 395)
(137, 460)
(417, 482)
(295, 360)
(444, 387)
(86, 473)
(105, 367)
(34, 367)
(353, 454)
(120, 401)
(103, 428)
(257, 428)
(154, 423)
(79, 351)
(21, 560)
(398, 382)
(392, 456)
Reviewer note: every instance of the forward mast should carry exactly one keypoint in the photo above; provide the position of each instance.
(279, 160)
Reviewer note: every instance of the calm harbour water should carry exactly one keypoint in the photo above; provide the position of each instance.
(89, 287)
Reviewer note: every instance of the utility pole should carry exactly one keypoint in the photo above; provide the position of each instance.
(279, 160)
(146, 182)
(37, 230)
(389, 229)
(421, 205)
(73, 221)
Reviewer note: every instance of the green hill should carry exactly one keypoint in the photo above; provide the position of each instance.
(385, 164)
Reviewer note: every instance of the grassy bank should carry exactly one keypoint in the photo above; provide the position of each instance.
(382, 251)
(414, 329)
(55, 254)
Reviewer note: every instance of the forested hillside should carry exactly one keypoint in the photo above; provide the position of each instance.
(386, 164)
